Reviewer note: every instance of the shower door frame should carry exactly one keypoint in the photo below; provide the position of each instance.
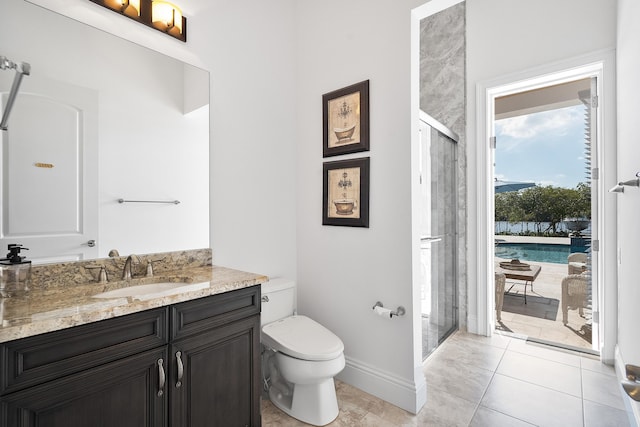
(452, 138)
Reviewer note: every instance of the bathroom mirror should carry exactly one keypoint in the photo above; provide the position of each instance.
(100, 119)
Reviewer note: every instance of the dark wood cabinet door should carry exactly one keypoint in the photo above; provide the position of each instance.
(220, 384)
(119, 394)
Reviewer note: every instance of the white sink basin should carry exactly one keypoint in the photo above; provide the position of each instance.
(153, 290)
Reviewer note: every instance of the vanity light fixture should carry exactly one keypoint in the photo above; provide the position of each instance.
(166, 17)
(127, 7)
(160, 15)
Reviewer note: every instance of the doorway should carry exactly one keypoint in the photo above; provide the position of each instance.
(543, 198)
(48, 180)
(438, 233)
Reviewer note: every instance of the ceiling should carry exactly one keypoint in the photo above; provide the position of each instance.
(542, 99)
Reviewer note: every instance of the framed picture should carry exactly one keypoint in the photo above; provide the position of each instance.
(345, 116)
(345, 193)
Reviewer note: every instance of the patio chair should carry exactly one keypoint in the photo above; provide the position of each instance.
(574, 294)
(501, 279)
(577, 262)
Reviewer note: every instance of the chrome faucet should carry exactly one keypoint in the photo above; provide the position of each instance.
(126, 271)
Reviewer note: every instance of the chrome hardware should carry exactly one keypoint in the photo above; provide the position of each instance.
(400, 311)
(633, 372)
(180, 369)
(429, 239)
(126, 271)
(149, 268)
(632, 388)
(22, 69)
(265, 298)
(631, 384)
(172, 202)
(150, 265)
(424, 117)
(102, 276)
(619, 188)
(161, 377)
(91, 243)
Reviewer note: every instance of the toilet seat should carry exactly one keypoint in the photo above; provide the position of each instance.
(302, 338)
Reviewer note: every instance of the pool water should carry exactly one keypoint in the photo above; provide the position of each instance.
(540, 252)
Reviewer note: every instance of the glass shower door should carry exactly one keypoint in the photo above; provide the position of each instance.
(438, 251)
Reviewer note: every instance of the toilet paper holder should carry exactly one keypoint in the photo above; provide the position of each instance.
(400, 311)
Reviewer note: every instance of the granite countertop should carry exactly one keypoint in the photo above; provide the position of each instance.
(50, 309)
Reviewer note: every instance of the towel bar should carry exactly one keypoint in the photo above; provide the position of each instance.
(174, 202)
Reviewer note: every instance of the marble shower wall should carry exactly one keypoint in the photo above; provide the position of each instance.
(442, 96)
(442, 67)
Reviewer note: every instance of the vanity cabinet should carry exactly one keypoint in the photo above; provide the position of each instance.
(215, 347)
(195, 363)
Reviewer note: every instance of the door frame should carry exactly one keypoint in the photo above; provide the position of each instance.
(601, 65)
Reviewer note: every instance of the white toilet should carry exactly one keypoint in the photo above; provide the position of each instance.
(300, 357)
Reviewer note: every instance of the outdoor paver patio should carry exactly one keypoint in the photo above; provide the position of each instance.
(541, 317)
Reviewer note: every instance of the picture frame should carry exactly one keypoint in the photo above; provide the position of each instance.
(345, 118)
(345, 193)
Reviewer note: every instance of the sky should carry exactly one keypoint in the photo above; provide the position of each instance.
(546, 148)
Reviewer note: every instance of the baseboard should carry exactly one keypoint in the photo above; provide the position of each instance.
(633, 407)
(410, 396)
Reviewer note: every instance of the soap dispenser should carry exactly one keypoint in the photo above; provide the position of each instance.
(15, 273)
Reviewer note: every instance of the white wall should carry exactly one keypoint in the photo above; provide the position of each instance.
(506, 38)
(248, 45)
(628, 165)
(343, 271)
(148, 149)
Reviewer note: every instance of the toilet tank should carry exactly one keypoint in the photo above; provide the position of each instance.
(280, 301)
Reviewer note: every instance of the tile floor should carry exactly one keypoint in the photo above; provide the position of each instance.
(493, 382)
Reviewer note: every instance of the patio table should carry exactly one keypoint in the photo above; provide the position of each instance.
(528, 276)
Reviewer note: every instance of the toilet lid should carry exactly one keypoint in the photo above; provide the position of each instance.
(302, 338)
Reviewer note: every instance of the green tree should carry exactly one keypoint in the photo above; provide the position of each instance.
(547, 204)
(582, 205)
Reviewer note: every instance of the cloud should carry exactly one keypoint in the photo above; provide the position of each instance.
(531, 126)
(546, 147)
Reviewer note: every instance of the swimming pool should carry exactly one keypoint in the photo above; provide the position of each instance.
(541, 252)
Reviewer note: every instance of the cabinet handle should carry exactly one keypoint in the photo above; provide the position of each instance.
(180, 369)
(162, 377)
